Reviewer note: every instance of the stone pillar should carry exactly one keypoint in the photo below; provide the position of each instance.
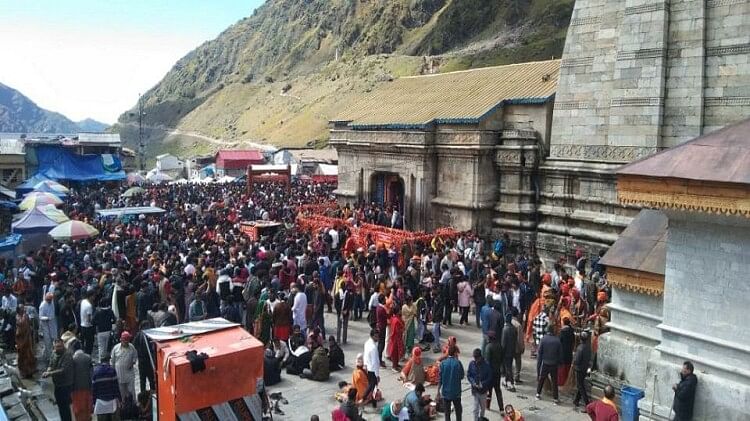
(636, 107)
(517, 162)
(686, 64)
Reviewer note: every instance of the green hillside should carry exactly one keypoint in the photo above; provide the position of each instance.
(279, 75)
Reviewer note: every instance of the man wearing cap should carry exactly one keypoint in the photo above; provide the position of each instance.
(124, 356)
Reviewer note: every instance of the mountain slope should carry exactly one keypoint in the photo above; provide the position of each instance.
(279, 75)
(19, 114)
(91, 125)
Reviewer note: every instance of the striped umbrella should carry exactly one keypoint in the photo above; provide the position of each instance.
(135, 178)
(51, 212)
(73, 230)
(133, 191)
(35, 199)
(51, 186)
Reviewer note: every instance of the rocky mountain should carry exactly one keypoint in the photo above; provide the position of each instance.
(91, 125)
(279, 75)
(19, 114)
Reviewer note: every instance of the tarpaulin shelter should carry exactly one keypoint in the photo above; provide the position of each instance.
(225, 388)
(9, 246)
(62, 164)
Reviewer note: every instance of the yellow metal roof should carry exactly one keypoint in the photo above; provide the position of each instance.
(463, 97)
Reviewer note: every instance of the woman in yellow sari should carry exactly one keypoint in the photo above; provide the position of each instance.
(408, 314)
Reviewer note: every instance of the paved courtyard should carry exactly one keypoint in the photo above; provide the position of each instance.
(307, 397)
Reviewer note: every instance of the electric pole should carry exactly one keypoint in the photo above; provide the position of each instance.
(141, 146)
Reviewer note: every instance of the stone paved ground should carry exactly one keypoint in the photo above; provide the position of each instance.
(308, 397)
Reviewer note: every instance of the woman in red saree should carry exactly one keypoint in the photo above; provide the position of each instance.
(396, 341)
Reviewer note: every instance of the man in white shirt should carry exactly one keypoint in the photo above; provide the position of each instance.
(124, 356)
(334, 238)
(87, 326)
(298, 309)
(372, 365)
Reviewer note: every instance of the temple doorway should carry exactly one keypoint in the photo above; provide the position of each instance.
(388, 191)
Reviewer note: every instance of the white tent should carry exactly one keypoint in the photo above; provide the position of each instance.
(327, 169)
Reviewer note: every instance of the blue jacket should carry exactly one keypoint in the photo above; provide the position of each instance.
(484, 317)
(451, 374)
(480, 374)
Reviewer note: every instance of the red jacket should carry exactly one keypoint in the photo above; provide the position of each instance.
(600, 411)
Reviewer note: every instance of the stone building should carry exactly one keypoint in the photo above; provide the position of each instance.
(435, 146)
(679, 285)
(637, 76)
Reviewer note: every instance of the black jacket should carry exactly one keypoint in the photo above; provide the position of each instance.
(582, 358)
(567, 340)
(550, 351)
(508, 341)
(684, 397)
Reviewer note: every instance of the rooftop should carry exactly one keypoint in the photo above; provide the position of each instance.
(464, 97)
(328, 155)
(722, 156)
(709, 174)
(642, 246)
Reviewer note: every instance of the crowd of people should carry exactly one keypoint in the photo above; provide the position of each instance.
(90, 301)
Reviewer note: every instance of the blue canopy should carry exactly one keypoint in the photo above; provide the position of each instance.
(10, 242)
(62, 164)
(28, 185)
(9, 205)
(33, 221)
(47, 189)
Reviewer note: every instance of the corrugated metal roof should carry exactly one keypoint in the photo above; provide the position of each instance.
(722, 156)
(327, 155)
(89, 137)
(453, 98)
(239, 154)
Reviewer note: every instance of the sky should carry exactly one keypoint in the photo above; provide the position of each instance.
(91, 58)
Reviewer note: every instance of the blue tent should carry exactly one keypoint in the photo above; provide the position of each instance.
(28, 185)
(47, 189)
(33, 221)
(61, 164)
(8, 205)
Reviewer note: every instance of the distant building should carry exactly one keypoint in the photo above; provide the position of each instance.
(307, 160)
(12, 162)
(195, 165)
(234, 163)
(88, 156)
(170, 164)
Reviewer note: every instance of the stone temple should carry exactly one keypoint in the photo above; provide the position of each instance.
(679, 277)
(532, 149)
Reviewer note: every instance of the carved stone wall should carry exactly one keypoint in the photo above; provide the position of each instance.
(637, 76)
